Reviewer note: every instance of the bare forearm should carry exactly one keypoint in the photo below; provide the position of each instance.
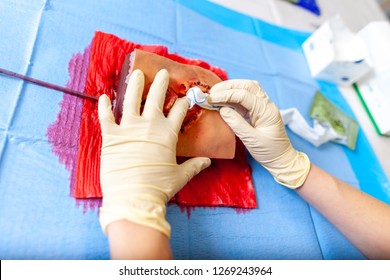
(133, 241)
(364, 220)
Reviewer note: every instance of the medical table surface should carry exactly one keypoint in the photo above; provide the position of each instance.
(38, 217)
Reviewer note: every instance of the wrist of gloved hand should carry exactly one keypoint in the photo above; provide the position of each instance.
(144, 205)
(291, 173)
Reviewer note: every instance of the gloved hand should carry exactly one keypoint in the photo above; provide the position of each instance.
(138, 171)
(265, 138)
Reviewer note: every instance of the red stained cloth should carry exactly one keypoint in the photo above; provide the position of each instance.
(225, 183)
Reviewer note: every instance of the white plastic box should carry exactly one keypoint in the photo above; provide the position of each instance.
(335, 54)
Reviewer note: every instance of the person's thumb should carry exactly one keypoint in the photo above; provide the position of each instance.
(237, 123)
(194, 166)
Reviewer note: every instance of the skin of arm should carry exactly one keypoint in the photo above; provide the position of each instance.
(129, 240)
(364, 220)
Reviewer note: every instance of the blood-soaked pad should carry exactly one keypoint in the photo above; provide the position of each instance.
(203, 133)
(227, 182)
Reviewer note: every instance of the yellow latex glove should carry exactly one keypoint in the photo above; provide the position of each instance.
(265, 138)
(138, 171)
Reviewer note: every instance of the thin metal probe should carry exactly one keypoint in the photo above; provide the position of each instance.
(47, 85)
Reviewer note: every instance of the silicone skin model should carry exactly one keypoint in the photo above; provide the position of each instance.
(203, 132)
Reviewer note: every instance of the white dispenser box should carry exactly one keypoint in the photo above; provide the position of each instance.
(335, 54)
(374, 89)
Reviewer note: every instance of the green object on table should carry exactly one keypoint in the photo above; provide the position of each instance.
(328, 114)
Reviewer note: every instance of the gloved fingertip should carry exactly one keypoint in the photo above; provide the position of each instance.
(104, 108)
(103, 104)
(162, 76)
(161, 80)
(179, 111)
(183, 101)
(163, 72)
(137, 77)
(214, 97)
(236, 122)
(194, 166)
(137, 72)
(102, 97)
(204, 163)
